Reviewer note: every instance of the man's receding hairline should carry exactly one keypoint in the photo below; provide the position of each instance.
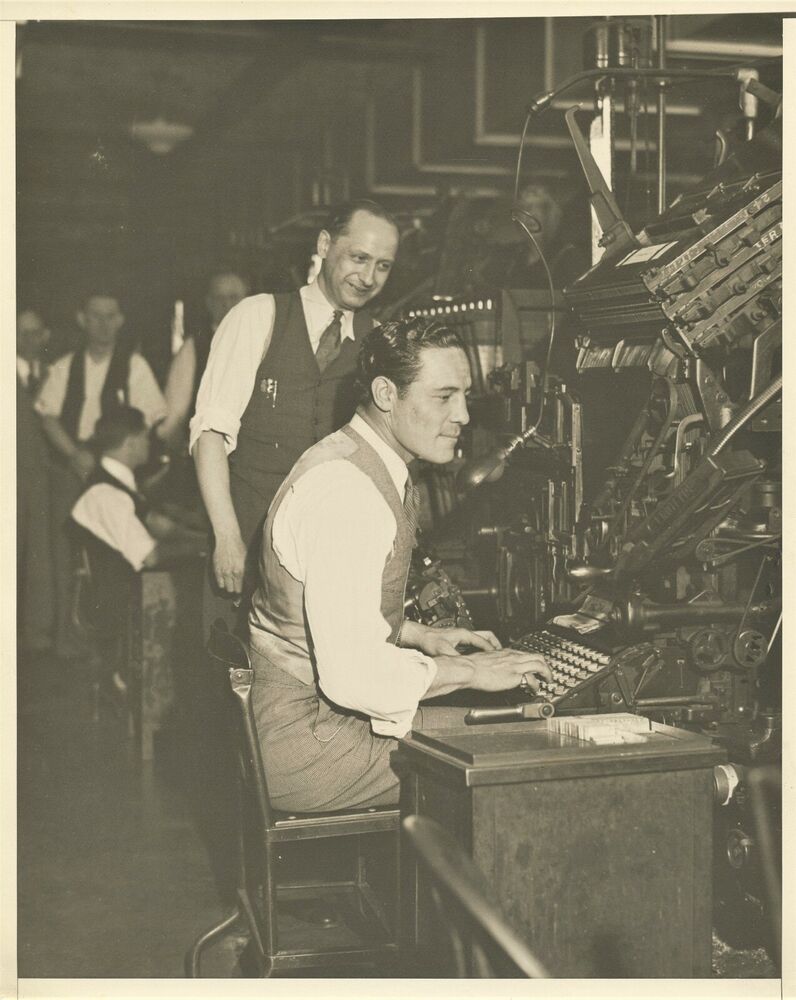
(346, 229)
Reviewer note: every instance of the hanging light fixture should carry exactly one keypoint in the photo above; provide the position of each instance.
(160, 136)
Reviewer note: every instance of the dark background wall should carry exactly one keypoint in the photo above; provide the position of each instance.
(290, 116)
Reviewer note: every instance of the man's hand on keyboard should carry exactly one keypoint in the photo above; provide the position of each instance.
(508, 668)
(445, 641)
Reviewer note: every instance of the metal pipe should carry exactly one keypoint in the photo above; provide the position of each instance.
(660, 23)
(639, 615)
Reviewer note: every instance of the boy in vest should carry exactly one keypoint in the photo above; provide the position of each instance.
(339, 672)
(279, 378)
(80, 386)
(113, 510)
(120, 533)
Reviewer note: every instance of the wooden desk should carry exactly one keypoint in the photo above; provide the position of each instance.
(600, 856)
(165, 628)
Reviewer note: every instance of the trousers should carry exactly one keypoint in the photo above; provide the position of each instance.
(319, 757)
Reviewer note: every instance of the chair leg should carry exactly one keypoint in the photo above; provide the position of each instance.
(263, 960)
(194, 955)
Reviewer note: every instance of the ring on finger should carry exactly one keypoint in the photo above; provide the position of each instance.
(524, 683)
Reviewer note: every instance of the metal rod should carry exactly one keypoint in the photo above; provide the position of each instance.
(529, 710)
(543, 101)
(774, 634)
(675, 699)
(660, 22)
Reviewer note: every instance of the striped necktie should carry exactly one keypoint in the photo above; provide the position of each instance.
(412, 506)
(329, 344)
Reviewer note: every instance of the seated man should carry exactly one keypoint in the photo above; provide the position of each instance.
(339, 671)
(121, 535)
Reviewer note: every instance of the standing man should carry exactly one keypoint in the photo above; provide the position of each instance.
(80, 387)
(225, 289)
(339, 671)
(279, 378)
(35, 601)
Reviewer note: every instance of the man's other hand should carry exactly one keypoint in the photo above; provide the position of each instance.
(444, 641)
(229, 559)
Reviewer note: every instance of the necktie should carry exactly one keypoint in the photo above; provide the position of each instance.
(412, 506)
(329, 344)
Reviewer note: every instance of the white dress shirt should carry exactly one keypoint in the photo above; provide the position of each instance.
(110, 514)
(333, 532)
(238, 347)
(143, 391)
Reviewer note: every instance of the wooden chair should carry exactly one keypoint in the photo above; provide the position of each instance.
(266, 833)
(482, 945)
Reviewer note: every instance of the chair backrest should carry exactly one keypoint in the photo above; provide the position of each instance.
(482, 943)
(227, 649)
(102, 585)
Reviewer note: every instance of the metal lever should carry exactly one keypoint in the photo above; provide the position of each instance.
(530, 710)
(617, 236)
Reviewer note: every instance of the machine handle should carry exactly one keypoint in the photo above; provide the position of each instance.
(530, 710)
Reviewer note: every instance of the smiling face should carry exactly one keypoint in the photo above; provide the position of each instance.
(427, 420)
(356, 264)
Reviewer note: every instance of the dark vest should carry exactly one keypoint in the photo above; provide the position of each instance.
(293, 403)
(116, 385)
(277, 622)
(104, 604)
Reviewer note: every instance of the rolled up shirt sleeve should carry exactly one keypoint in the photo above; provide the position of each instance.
(335, 534)
(236, 351)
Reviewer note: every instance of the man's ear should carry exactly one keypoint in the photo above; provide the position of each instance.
(383, 392)
(324, 242)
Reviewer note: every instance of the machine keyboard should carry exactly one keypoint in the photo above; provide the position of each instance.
(574, 664)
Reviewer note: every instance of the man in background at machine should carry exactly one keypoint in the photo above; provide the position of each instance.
(280, 377)
(510, 260)
(225, 289)
(339, 670)
(122, 534)
(35, 610)
(80, 387)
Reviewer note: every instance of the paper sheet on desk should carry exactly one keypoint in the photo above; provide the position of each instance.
(580, 623)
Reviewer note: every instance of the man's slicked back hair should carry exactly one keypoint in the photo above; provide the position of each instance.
(115, 426)
(394, 351)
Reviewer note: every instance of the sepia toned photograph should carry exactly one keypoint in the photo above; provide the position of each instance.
(399, 496)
